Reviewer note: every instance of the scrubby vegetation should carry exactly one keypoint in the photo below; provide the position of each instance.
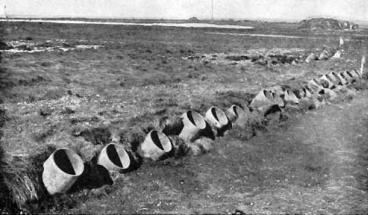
(139, 80)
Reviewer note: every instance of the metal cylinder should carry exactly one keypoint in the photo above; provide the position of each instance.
(61, 170)
(194, 123)
(114, 157)
(232, 113)
(155, 145)
(216, 117)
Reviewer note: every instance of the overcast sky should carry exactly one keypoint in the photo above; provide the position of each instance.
(183, 9)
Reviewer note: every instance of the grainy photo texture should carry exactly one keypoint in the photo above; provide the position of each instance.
(183, 107)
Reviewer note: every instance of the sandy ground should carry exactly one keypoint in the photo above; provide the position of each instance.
(312, 163)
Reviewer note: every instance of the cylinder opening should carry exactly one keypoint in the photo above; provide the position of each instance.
(324, 83)
(349, 73)
(156, 140)
(161, 141)
(219, 115)
(337, 75)
(68, 161)
(196, 119)
(339, 78)
(268, 94)
(299, 93)
(213, 111)
(307, 91)
(316, 81)
(235, 110)
(113, 155)
(304, 92)
(355, 72)
(343, 75)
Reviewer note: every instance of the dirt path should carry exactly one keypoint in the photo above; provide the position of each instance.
(313, 163)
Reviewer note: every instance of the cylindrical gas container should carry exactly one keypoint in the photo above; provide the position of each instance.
(216, 117)
(155, 145)
(194, 123)
(340, 78)
(61, 170)
(114, 157)
(233, 113)
(347, 77)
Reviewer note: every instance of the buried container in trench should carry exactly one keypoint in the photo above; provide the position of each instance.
(61, 170)
(267, 98)
(326, 82)
(261, 100)
(314, 86)
(114, 157)
(194, 123)
(334, 78)
(355, 74)
(347, 77)
(340, 78)
(305, 92)
(155, 145)
(216, 117)
(233, 113)
(290, 97)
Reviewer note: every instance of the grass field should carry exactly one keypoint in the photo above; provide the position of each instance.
(85, 98)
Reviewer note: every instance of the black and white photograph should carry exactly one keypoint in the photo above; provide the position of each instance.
(183, 107)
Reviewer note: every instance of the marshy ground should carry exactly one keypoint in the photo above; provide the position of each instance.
(83, 98)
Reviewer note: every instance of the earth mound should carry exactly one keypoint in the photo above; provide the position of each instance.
(324, 24)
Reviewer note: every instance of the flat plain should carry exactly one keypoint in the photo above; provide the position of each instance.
(113, 83)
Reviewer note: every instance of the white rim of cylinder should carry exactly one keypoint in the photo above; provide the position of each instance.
(327, 80)
(346, 76)
(355, 74)
(314, 86)
(155, 145)
(307, 92)
(114, 157)
(193, 124)
(61, 170)
(290, 96)
(334, 79)
(341, 79)
(233, 112)
(217, 117)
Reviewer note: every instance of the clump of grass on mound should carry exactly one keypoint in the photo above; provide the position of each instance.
(21, 183)
(21, 177)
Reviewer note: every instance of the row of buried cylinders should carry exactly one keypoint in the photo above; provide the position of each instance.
(64, 166)
(324, 85)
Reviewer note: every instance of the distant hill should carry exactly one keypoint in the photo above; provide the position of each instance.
(326, 24)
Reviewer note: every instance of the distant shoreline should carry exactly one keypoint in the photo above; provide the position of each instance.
(183, 24)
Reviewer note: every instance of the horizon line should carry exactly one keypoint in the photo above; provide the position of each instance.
(180, 19)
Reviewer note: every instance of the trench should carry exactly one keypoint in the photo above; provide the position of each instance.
(314, 162)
